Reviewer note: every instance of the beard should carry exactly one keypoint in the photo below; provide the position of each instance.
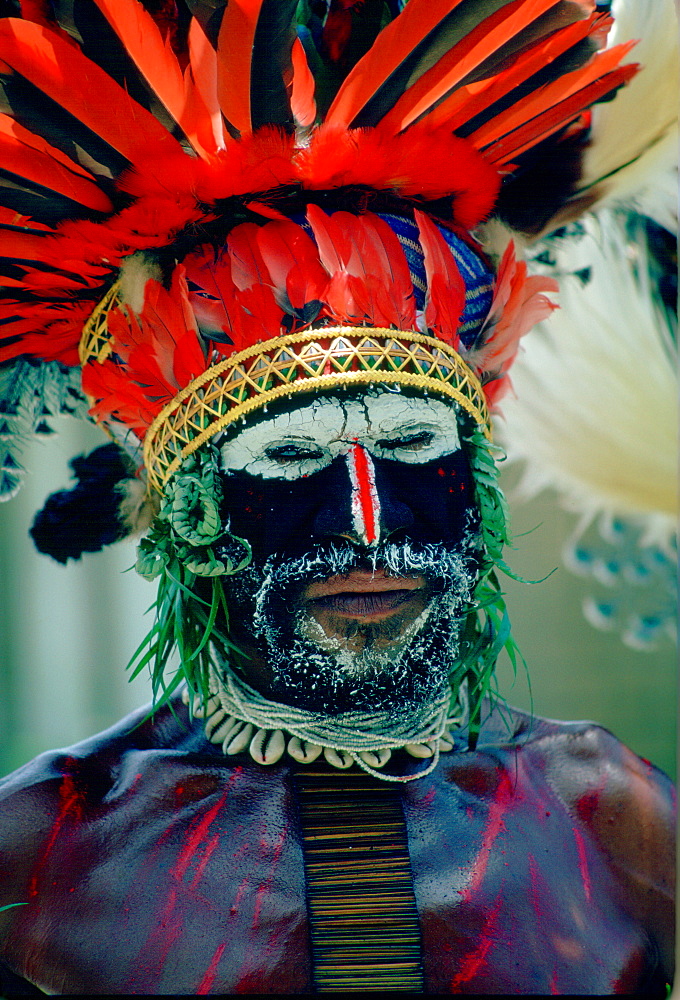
(394, 665)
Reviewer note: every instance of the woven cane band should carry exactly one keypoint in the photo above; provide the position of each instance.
(327, 358)
(95, 341)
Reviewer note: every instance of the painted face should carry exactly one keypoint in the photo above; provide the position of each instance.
(361, 515)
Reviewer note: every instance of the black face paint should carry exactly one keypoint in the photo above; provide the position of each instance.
(426, 503)
(303, 530)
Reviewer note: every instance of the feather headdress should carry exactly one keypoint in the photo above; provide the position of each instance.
(208, 205)
(186, 181)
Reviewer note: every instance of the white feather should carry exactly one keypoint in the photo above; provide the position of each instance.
(595, 409)
(634, 138)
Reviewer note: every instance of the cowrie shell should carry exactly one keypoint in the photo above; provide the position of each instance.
(267, 746)
(446, 742)
(240, 739)
(338, 758)
(303, 751)
(215, 725)
(375, 758)
(421, 750)
(205, 711)
(228, 728)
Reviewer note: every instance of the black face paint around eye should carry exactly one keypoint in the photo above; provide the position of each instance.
(426, 503)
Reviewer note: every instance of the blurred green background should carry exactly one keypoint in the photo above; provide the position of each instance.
(66, 633)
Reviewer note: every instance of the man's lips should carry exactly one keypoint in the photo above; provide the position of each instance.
(363, 593)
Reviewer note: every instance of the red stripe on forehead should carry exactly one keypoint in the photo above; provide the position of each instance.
(365, 502)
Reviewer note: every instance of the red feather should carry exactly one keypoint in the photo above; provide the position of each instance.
(337, 28)
(215, 298)
(600, 69)
(338, 254)
(519, 303)
(293, 263)
(160, 347)
(391, 276)
(247, 265)
(393, 45)
(460, 60)
(470, 99)
(445, 295)
(154, 57)
(31, 157)
(203, 70)
(302, 101)
(234, 61)
(116, 397)
(423, 163)
(51, 64)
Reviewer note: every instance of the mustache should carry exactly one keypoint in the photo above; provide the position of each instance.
(438, 563)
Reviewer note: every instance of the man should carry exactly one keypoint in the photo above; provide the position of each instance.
(297, 355)
(148, 861)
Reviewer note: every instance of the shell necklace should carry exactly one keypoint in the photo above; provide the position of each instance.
(239, 718)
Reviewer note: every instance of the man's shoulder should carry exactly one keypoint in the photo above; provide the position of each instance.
(589, 767)
(35, 798)
(622, 804)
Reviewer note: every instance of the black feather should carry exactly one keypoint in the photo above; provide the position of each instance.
(271, 68)
(86, 517)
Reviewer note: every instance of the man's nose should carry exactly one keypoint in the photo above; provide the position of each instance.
(363, 509)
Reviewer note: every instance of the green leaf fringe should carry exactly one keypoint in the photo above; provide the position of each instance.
(190, 607)
(488, 629)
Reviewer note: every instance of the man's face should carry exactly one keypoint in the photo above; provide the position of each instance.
(360, 511)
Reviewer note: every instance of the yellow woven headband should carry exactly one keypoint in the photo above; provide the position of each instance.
(327, 358)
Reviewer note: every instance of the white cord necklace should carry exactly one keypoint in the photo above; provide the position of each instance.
(238, 718)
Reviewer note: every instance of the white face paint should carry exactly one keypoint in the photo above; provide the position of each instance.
(305, 440)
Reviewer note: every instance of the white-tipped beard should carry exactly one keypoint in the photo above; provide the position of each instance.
(395, 664)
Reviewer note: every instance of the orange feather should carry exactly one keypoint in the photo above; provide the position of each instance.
(302, 101)
(234, 58)
(393, 45)
(469, 100)
(549, 95)
(502, 151)
(203, 70)
(31, 157)
(51, 64)
(154, 57)
(459, 61)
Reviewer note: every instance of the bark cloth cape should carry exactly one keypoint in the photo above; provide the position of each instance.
(206, 207)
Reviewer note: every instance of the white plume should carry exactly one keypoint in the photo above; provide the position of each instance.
(634, 138)
(595, 410)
